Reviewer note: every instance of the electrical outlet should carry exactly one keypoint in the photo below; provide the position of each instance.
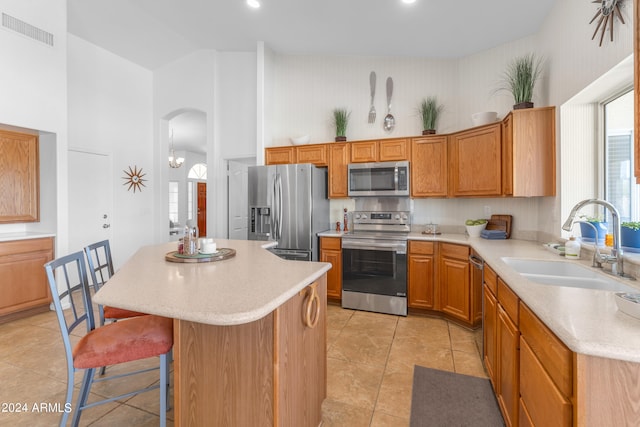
(487, 212)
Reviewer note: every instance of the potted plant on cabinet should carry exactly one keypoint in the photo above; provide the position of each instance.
(340, 121)
(520, 79)
(588, 232)
(429, 111)
(630, 234)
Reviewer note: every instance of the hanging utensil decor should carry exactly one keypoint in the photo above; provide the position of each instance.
(372, 110)
(389, 120)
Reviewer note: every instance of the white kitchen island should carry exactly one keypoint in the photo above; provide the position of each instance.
(249, 332)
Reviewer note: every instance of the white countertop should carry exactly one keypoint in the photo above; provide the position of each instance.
(23, 235)
(587, 321)
(234, 291)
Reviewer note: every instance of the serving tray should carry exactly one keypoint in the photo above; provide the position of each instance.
(221, 254)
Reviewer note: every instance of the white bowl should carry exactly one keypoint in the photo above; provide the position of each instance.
(474, 230)
(300, 140)
(484, 118)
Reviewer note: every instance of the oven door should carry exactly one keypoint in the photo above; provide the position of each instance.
(378, 268)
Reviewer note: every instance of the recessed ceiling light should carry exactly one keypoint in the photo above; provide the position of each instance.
(253, 3)
(408, 1)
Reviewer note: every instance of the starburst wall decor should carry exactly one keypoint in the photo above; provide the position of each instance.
(607, 11)
(134, 179)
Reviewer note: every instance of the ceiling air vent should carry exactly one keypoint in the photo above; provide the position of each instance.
(25, 29)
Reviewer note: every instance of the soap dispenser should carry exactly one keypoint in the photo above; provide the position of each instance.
(572, 248)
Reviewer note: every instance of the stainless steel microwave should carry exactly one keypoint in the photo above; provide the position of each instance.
(379, 179)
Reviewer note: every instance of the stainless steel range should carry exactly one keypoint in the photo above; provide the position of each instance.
(374, 256)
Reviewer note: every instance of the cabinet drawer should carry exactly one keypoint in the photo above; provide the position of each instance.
(15, 247)
(331, 243)
(556, 358)
(423, 248)
(545, 403)
(454, 251)
(491, 279)
(509, 300)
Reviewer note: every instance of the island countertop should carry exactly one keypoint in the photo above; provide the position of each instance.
(234, 291)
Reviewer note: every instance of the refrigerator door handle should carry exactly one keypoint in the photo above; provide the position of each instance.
(276, 206)
(279, 190)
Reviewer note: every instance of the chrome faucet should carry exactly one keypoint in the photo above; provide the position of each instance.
(615, 259)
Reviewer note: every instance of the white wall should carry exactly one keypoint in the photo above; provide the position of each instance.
(33, 83)
(110, 111)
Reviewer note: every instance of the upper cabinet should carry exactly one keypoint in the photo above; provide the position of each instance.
(313, 153)
(475, 162)
(339, 156)
(279, 155)
(386, 150)
(429, 166)
(19, 177)
(529, 152)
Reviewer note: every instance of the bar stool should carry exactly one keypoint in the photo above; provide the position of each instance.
(133, 339)
(101, 269)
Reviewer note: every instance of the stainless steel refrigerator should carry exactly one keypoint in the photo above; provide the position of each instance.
(288, 204)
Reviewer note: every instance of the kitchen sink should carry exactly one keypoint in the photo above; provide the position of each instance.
(565, 273)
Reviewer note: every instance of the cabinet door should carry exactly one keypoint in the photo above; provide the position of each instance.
(508, 366)
(338, 178)
(475, 162)
(19, 177)
(420, 287)
(455, 297)
(429, 167)
(330, 251)
(489, 338)
(364, 151)
(507, 155)
(393, 150)
(24, 283)
(279, 155)
(302, 358)
(314, 153)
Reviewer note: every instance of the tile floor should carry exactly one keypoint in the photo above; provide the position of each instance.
(370, 370)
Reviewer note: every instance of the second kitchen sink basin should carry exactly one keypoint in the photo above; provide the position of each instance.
(565, 273)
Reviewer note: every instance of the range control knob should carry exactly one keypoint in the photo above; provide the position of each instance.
(404, 216)
(397, 217)
(357, 216)
(364, 216)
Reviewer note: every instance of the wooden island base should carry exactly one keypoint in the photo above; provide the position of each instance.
(270, 372)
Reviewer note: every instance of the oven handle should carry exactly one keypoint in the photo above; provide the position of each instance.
(400, 248)
(477, 262)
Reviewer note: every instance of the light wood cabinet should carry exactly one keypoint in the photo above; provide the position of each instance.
(546, 373)
(338, 170)
(454, 278)
(475, 162)
(24, 287)
(489, 331)
(529, 152)
(421, 272)
(279, 155)
(331, 252)
(274, 368)
(508, 354)
(312, 153)
(364, 151)
(394, 150)
(429, 166)
(19, 177)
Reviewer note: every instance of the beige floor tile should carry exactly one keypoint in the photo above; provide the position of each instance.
(358, 347)
(394, 397)
(374, 324)
(340, 414)
(125, 415)
(380, 419)
(468, 364)
(355, 384)
(405, 353)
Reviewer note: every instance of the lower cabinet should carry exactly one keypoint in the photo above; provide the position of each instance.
(420, 275)
(331, 252)
(24, 287)
(454, 273)
(531, 370)
(270, 372)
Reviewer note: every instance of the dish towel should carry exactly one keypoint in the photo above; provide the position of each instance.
(493, 234)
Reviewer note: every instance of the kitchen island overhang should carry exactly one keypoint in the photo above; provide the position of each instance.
(250, 332)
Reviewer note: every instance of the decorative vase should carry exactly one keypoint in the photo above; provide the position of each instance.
(429, 132)
(522, 105)
(588, 232)
(341, 138)
(629, 238)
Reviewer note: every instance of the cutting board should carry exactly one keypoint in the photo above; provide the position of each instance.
(500, 222)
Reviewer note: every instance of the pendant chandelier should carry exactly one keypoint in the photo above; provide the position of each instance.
(174, 162)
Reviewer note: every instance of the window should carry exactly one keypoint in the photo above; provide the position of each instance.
(173, 202)
(620, 185)
(198, 171)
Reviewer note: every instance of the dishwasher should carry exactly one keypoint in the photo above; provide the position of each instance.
(477, 283)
